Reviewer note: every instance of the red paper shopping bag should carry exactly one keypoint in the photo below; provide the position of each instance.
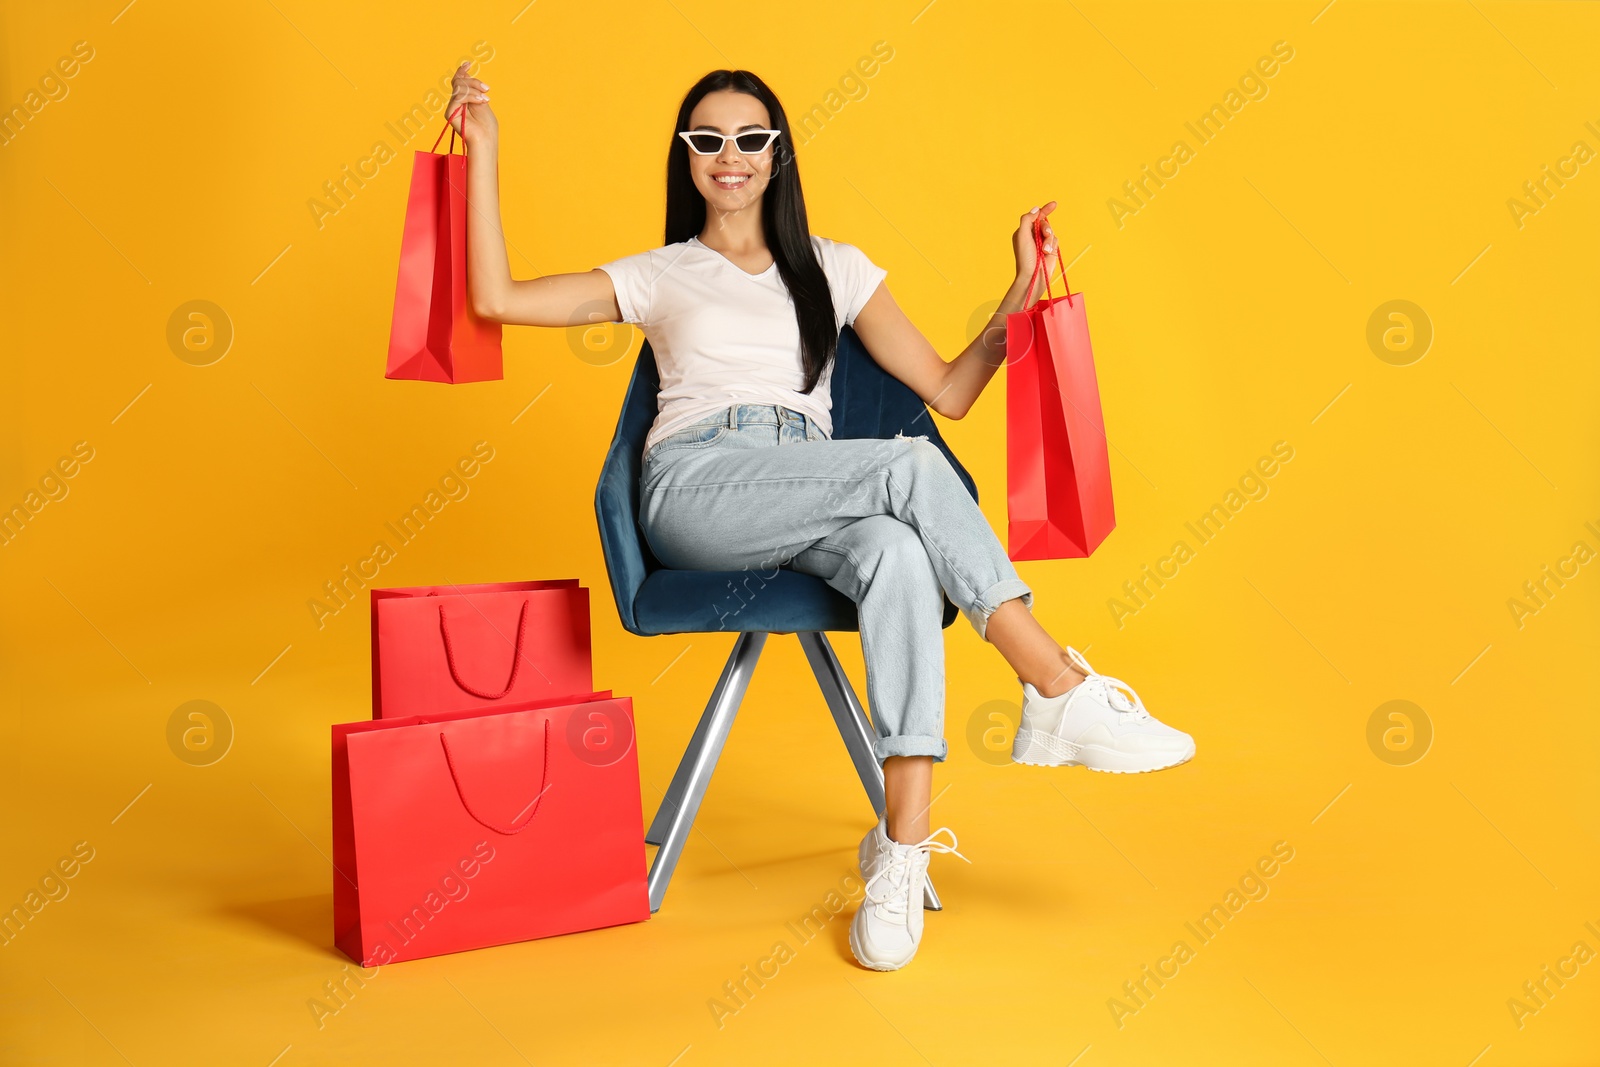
(451, 647)
(1058, 471)
(462, 830)
(434, 336)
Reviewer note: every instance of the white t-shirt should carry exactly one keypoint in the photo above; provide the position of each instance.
(722, 336)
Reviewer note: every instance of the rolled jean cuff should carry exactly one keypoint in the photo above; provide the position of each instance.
(991, 599)
(911, 745)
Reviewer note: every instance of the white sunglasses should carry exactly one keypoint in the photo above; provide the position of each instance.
(748, 142)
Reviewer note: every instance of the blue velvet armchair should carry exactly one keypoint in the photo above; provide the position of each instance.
(653, 600)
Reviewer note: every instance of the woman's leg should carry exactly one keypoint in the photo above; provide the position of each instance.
(1036, 656)
(880, 563)
(739, 503)
(908, 789)
(1037, 659)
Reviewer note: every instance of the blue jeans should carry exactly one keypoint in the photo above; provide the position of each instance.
(888, 523)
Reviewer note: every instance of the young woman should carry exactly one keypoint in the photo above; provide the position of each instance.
(743, 308)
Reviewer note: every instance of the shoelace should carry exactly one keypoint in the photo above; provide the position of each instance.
(896, 899)
(1119, 694)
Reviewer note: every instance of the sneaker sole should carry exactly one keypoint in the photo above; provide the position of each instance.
(1035, 749)
(855, 950)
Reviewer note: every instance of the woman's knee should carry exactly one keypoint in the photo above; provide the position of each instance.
(926, 461)
(920, 449)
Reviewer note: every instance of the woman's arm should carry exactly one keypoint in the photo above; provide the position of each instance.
(554, 300)
(951, 388)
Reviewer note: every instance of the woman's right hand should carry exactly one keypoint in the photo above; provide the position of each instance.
(476, 123)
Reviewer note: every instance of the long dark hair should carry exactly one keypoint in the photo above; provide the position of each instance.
(783, 217)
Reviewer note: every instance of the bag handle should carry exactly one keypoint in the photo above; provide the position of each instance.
(521, 822)
(451, 127)
(516, 662)
(1038, 264)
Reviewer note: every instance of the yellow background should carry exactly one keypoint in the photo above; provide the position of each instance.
(1229, 313)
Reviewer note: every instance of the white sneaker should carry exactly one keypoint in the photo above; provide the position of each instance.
(1100, 723)
(887, 926)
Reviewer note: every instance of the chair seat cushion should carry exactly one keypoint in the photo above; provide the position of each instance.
(676, 602)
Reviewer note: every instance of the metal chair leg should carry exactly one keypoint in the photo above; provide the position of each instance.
(675, 818)
(672, 800)
(851, 719)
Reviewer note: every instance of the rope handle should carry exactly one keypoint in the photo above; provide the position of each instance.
(1038, 264)
(521, 822)
(516, 661)
(448, 125)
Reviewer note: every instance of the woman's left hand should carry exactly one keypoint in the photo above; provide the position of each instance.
(1027, 253)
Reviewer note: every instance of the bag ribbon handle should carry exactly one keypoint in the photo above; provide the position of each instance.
(516, 662)
(448, 125)
(523, 820)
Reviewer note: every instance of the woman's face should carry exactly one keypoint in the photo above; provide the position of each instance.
(730, 180)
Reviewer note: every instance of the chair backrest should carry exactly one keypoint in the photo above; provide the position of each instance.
(867, 402)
